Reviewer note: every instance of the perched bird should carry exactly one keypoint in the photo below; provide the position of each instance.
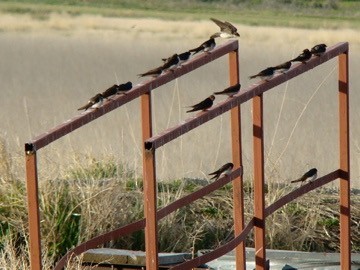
(170, 63)
(124, 87)
(283, 67)
(203, 105)
(319, 49)
(205, 47)
(311, 174)
(303, 57)
(110, 91)
(94, 102)
(117, 89)
(230, 91)
(183, 57)
(224, 170)
(265, 74)
(153, 72)
(227, 30)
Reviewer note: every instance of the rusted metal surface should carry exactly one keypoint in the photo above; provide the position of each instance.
(33, 210)
(117, 101)
(186, 200)
(259, 183)
(140, 224)
(222, 250)
(99, 240)
(150, 187)
(344, 129)
(321, 181)
(151, 143)
(244, 95)
(238, 196)
(216, 253)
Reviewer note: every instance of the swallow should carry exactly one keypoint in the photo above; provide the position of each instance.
(318, 50)
(230, 91)
(311, 174)
(203, 105)
(303, 57)
(283, 67)
(183, 57)
(153, 72)
(205, 47)
(110, 91)
(265, 74)
(227, 30)
(94, 102)
(224, 170)
(170, 63)
(124, 87)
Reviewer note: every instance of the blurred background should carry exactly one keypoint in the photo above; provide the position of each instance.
(57, 54)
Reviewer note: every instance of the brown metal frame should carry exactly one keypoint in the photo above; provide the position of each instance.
(151, 143)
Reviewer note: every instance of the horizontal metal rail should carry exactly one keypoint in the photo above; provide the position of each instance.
(140, 224)
(117, 101)
(222, 250)
(245, 95)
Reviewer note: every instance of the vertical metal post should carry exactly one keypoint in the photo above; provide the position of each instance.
(259, 191)
(238, 195)
(150, 189)
(33, 210)
(345, 245)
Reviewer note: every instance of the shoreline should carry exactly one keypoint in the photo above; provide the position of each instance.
(64, 24)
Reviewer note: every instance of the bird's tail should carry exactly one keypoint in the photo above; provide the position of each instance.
(252, 77)
(215, 176)
(298, 180)
(85, 107)
(195, 50)
(219, 93)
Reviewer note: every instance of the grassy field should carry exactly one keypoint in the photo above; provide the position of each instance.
(308, 14)
(54, 62)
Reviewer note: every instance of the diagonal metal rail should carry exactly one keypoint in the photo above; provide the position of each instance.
(140, 224)
(117, 101)
(242, 97)
(222, 250)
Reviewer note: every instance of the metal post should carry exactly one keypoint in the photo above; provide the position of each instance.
(345, 246)
(259, 191)
(33, 210)
(150, 198)
(238, 198)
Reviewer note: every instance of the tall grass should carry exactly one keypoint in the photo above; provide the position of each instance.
(102, 195)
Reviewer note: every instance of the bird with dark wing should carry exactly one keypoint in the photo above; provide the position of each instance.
(265, 74)
(319, 49)
(153, 72)
(283, 67)
(303, 57)
(204, 47)
(311, 175)
(226, 169)
(230, 91)
(117, 89)
(170, 63)
(94, 102)
(227, 30)
(203, 105)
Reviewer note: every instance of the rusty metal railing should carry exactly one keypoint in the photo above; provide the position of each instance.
(151, 143)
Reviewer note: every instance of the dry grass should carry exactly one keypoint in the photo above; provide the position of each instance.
(47, 74)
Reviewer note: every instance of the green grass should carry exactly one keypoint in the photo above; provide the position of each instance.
(307, 14)
(89, 200)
